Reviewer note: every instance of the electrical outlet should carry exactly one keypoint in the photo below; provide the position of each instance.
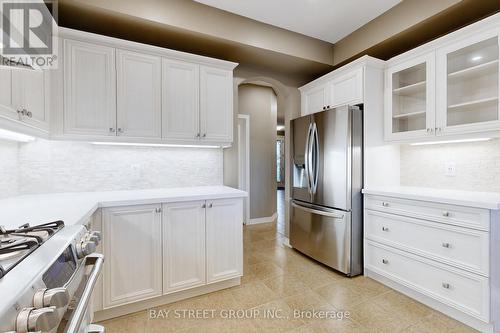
(450, 169)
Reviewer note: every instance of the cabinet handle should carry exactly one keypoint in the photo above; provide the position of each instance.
(158, 210)
(203, 206)
(446, 245)
(29, 114)
(328, 106)
(385, 229)
(210, 205)
(324, 107)
(197, 135)
(446, 214)
(111, 129)
(120, 130)
(446, 285)
(204, 135)
(385, 261)
(385, 204)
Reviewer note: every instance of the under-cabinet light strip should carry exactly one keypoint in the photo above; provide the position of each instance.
(449, 141)
(14, 136)
(151, 145)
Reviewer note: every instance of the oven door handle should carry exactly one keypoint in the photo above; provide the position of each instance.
(76, 320)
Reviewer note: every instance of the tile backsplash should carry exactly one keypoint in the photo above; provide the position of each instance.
(52, 166)
(477, 166)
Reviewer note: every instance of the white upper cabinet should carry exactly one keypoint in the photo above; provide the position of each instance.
(216, 104)
(183, 245)
(132, 247)
(224, 231)
(138, 94)
(6, 108)
(89, 89)
(181, 106)
(346, 89)
(409, 100)
(28, 95)
(315, 99)
(467, 84)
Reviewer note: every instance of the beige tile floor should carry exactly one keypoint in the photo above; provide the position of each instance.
(278, 280)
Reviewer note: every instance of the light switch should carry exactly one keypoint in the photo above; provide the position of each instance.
(450, 169)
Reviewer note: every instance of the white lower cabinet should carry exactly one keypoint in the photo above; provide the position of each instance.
(162, 249)
(224, 227)
(441, 254)
(183, 245)
(132, 247)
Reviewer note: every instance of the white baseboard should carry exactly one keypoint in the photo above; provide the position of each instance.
(286, 242)
(266, 219)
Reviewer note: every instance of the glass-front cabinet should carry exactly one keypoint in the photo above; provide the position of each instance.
(409, 107)
(468, 86)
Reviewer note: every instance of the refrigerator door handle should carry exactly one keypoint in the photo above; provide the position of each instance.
(319, 212)
(316, 158)
(307, 158)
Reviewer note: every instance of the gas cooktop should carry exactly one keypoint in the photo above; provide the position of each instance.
(17, 244)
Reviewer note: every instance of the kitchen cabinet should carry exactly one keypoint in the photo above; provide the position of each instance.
(409, 100)
(28, 95)
(447, 87)
(181, 105)
(183, 245)
(6, 109)
(315, 100)
(224, 233)
(132, 246)
(138, 95)
(453, 248)
(346, 89)
(468, 86)
(216, 104)
(89, 89)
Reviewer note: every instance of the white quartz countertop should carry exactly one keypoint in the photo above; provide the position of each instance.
(487, 200)
(76, 208)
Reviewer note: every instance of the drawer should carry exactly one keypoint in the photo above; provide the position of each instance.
(465, 248)
(462, 216)
(464, 291)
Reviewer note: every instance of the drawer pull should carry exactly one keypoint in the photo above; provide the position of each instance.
(385, 204)
(385, 229)
(385, 261)
(446, 214)
(446, 285)
(446, 245)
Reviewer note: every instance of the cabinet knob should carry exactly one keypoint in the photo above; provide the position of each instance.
(210, 205)
(385, 229)
(385, 261)
(446, 245)
(158, 210)
(197, 135)
(204, 135)
(203, 206)
(111, 129)
(385, 204)
(120, 130)
(446, 285)
(446, 214)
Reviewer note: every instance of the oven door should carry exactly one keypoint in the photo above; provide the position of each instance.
(78, 317)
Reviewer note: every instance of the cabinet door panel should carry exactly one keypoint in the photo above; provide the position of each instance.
(6, 108)
(183, 245)
(132, 246)
(315, 100)
(28, 92)
(347, 89)
(180, 95)
(216, 104)
(89, 89)
(138, 95)
(224, 223)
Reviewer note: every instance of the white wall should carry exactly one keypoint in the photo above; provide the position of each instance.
(53, 166)
(477, 166)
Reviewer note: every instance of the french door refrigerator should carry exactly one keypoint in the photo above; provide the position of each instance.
(327, 178)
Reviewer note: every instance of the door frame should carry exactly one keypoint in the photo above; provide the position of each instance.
(244, 163)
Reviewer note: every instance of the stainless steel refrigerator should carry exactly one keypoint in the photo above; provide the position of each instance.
(327, 178)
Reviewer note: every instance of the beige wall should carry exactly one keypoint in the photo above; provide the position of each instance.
(399, 18)
(260, 104)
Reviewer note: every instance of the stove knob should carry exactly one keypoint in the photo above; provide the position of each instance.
(58, 297)
(35, 320)
(85, 248)
(94, 236)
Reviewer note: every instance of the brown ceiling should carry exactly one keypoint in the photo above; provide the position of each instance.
(299, 70)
